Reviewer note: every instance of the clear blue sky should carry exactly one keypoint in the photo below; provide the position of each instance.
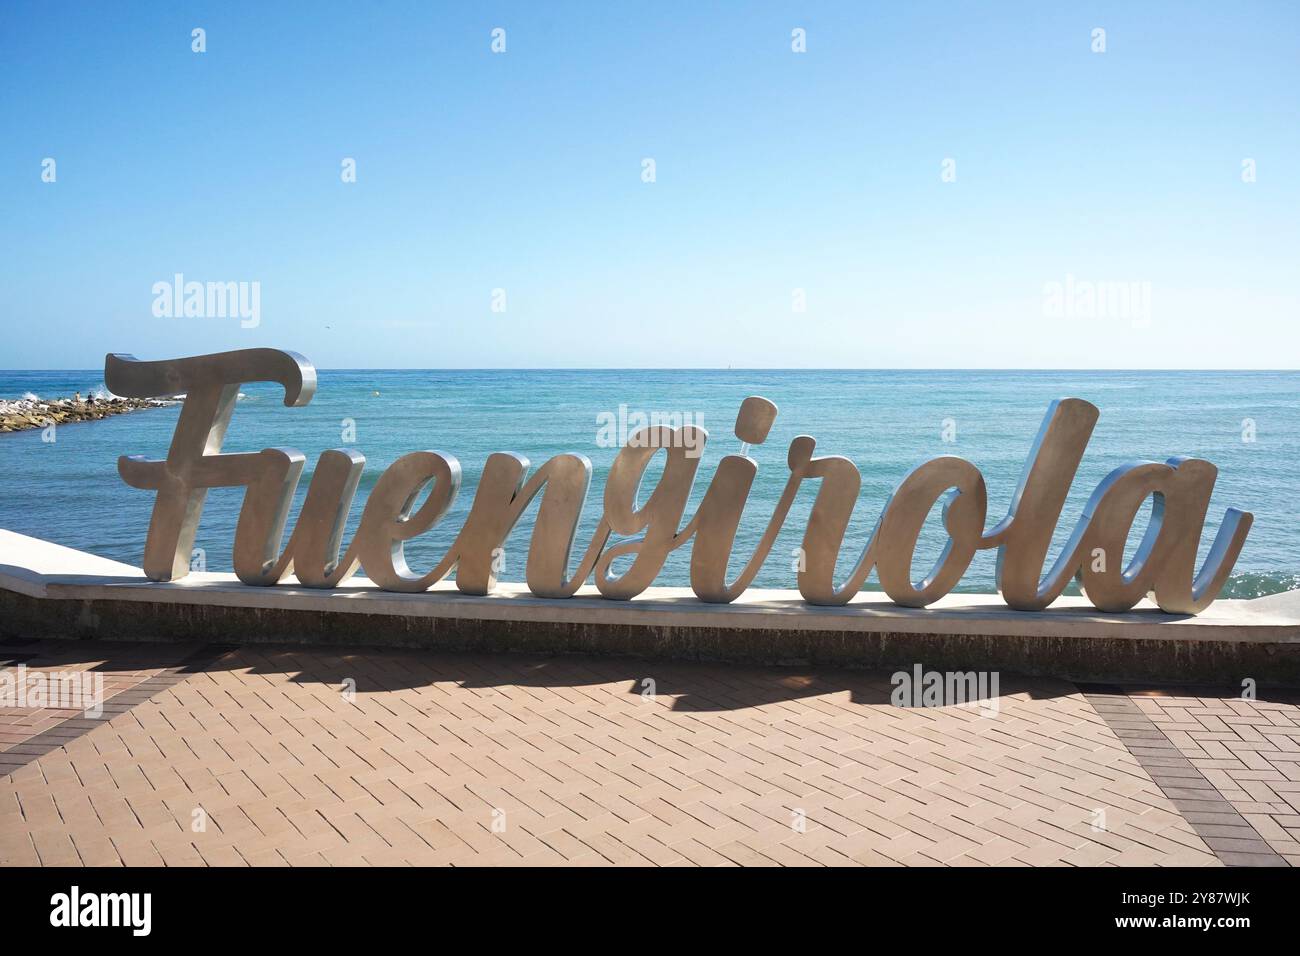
(775, 171)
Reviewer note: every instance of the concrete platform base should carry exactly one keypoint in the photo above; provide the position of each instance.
(50, 591)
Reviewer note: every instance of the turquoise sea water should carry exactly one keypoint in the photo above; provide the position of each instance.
(68, 491)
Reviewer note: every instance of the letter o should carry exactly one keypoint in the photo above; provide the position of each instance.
(905, 514)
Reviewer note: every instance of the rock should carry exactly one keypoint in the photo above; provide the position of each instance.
(25, 414)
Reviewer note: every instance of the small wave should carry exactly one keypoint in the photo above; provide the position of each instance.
(31, 397)
(1253, 584)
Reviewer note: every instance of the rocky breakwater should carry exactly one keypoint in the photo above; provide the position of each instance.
(20, 414)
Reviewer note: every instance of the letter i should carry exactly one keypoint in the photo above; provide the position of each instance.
(724, 502)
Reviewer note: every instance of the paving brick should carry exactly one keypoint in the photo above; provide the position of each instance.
(717, 770)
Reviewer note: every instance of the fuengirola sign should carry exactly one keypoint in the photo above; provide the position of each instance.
(1164, 565)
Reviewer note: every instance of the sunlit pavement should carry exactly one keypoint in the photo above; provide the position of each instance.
(295, 755)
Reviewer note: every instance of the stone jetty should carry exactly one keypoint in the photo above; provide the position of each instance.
(20, 414)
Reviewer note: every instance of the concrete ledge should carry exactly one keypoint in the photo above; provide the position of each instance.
(50, 591)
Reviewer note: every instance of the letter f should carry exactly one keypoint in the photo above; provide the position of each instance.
(194, 461)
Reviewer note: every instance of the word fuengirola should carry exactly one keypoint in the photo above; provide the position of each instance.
(1163, 566)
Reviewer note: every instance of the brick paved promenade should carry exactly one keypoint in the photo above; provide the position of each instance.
(255, 755)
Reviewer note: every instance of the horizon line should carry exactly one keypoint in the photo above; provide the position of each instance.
(718, 368)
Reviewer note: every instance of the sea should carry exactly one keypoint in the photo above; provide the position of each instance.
(63, 485)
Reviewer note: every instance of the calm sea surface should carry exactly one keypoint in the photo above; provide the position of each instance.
(68, 491)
